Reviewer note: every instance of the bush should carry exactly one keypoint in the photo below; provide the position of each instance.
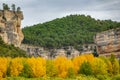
(83, 77)
(51, 70)
(26, 72)
(109, 65)
(99, 67)
(102, 77)
(85, 68)
(117, 77)
(115, 65)
(71, 73)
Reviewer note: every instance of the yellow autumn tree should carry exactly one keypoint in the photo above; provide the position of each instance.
(77, 61)
(99, 67)
(3, 67)
(89, 57)
(63, 65)
(115, 67)
(38, 66)
(109, 65)
(16, 66)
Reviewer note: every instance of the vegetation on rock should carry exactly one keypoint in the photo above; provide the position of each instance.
(10, 50)
(6, 7)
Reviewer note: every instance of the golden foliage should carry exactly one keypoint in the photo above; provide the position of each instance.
(63, 64)
(99, 66)
(77, 61)
(58, 67)
(38, 66)
(3, 66)
(16, 66)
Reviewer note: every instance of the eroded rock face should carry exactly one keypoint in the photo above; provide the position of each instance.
(108, 41)
(10, 23)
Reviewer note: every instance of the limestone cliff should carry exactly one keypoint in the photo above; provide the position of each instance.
(108, 41)
(36, 51)
(10, 23)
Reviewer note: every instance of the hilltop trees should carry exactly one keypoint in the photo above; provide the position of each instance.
(18, 9)
(13, 7)
(6, 7)
(73, 30)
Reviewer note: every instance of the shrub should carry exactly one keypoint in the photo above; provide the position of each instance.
(51, 70)
(85, 68)
(83, 77)
(109, 65)
(26, 72)
(99, 67)
(117, 77)
(115, 65)
(71, 73)
(102, 77)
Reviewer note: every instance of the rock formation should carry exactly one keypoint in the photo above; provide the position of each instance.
(36, 51)
(10, 23)
(108, 41)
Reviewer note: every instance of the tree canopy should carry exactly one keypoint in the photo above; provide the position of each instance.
(71, 30)
(13, 6)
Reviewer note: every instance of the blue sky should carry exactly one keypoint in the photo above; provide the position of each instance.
(39, 11)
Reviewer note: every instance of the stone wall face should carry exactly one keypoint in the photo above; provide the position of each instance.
(10, 23)
(108, 41)
(34, 50)
(49, 53)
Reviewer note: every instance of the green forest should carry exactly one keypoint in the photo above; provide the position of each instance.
(72, 30)
(10, 50)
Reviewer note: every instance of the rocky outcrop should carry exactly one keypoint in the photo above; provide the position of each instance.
(10, 23)
(36, 51)
(108, 41)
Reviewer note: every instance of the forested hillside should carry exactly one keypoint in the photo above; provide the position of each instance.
(10, 50)
(71, 30)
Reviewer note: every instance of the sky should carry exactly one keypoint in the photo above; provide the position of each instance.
(40, 11)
